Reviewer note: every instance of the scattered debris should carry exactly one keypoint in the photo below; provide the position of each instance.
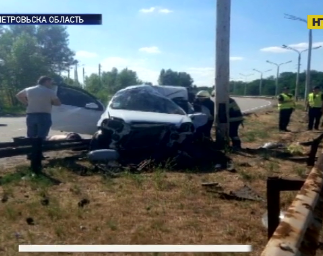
(245, 164)
(246, 192)
(230, 167)
(211, 184)
(218, 166)
(146, 164)
(30, 221)
(4, 198)
(18, 235)
(212, 187)
(241, 194)
(44, 201)
(83, 202)
(272, 145)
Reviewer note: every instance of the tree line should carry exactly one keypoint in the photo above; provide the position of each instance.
(28, 51)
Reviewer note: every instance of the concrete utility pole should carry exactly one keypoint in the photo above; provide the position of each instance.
(245, 82)
(298, 66)
(277, 74)
(222, 78)
(309, 56)
(261, 75)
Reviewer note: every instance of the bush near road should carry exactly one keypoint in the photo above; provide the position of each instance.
(159, 207)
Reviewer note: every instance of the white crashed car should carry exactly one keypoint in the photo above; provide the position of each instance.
(83, 113)
(142, 116)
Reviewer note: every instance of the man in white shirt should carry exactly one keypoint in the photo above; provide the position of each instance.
(39, 100)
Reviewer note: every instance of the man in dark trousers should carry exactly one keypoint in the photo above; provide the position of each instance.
(314, 106)
(39, 100)
(286, 106)
(204, 104)
(235, 116)
(235, 119)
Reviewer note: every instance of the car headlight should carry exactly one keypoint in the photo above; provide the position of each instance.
(113, 123)
(186, 127)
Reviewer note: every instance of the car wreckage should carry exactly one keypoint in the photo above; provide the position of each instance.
(145, 117)
(140, 122)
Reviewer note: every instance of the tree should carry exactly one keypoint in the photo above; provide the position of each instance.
(161, 77)
(92, 84)
(53, 41)
(29, 51)
(126, 78)
(110, 82)
(170, 77)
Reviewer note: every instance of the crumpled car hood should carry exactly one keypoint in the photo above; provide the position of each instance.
(146, 117)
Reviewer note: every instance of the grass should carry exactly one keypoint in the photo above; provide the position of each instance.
(148, 208)
(14, 110)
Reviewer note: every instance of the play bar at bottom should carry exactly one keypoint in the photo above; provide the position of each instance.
(135, 248)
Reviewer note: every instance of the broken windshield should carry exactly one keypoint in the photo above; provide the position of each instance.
(144, 99)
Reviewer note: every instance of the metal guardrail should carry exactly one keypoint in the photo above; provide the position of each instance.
(36, 146)
(298, 233)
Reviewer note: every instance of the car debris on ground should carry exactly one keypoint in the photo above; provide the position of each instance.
(241, 194)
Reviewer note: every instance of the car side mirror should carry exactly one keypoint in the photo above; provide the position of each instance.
(92, 106)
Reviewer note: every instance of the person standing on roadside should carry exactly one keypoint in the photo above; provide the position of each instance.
(314, 105)
(204, 104)
(39, 100)
(286, 106)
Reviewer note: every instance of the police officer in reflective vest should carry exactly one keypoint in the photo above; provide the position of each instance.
(315, 106)
(286, 106)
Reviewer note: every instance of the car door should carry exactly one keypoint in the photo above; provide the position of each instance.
(78, 113)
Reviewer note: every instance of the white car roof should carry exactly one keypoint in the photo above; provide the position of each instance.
(169, 91)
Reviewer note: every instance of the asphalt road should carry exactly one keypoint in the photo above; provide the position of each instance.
(15, 126)
(250, 105)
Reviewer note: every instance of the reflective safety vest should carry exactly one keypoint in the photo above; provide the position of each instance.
(235, 114)
(315, 100)
(287, 103)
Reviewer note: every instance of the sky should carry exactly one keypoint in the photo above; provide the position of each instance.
(149, 35)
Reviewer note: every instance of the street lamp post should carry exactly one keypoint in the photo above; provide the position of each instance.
(245, 86)
(260, 83)
(277, 74)
(298, 66)
(309, 56)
